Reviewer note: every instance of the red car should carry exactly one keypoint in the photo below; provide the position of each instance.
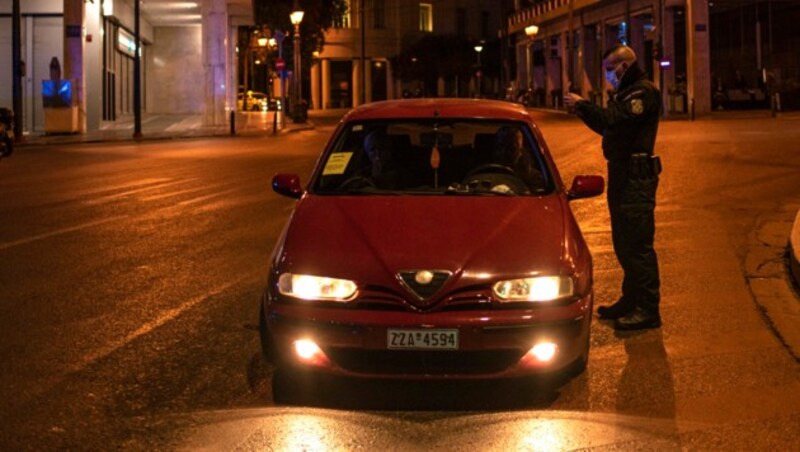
(434, 240)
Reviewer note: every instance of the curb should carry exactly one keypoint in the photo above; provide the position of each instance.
(156, 136)
(794, 251)
(769, 278)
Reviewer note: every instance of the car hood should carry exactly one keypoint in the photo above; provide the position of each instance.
(370, 238)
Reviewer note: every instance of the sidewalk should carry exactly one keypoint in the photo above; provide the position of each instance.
(160, 127)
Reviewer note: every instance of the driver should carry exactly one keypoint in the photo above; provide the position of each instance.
(510, 151)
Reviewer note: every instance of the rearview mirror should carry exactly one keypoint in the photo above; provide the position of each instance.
(287, 185)
(441, 139)
(586, 187)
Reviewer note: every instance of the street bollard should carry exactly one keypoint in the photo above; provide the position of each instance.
(691, 102)
(275, 121)
(233, 122)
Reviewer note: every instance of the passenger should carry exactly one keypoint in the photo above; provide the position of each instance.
(383, 171)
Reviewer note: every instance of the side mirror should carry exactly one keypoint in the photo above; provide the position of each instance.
(287, 185)
(586, 187)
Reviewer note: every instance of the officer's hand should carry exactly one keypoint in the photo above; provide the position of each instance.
(570, 99)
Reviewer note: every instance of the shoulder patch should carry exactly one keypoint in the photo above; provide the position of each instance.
(637, 106)
(634, 93)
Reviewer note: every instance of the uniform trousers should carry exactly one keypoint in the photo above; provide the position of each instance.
(632, 203)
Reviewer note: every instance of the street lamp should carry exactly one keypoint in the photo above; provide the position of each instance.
(296, 17)
(531, 31)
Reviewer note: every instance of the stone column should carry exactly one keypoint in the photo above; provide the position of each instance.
(580, 64)
(93, 59)
(232, 70)
(555, 68)
(356, 83)
(390, 94)
(668, 46)
(440, 87)
(326, 84)
(315, 91)
(74, 65)
(528, 64)
(215, 25)
(698, 58)
(539, 73)
(588, 59)
(368, 81)
(564, 53)
(548, 67)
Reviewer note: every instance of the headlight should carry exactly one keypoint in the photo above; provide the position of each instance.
(540, 288)
(309, 287)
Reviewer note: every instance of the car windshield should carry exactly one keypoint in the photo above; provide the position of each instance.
(434, 157)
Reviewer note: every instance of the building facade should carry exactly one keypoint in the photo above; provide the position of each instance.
(187, 54)
(560, 43)
(704, 54)
(340, 78)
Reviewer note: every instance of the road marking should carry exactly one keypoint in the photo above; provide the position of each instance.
(112, 188)
(59, 232)
(207, 197)
(165, 317)
(173, 194)
(124, 194)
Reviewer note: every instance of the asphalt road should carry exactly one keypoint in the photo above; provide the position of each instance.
(131, 275)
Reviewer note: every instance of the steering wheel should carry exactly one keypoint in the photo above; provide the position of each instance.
(490, 168)
(353, 180)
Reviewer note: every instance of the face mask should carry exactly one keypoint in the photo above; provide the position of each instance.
(611, 77)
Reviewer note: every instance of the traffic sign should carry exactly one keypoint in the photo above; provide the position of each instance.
(280, 64)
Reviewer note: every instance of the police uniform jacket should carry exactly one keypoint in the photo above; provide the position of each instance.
(630, 122)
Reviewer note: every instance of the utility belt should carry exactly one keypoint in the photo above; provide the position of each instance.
(644, 166)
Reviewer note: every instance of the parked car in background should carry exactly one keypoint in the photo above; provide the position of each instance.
(257, 101)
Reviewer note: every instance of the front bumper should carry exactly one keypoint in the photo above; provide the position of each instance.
(493, 343)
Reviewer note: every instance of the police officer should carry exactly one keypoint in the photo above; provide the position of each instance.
(628, 126)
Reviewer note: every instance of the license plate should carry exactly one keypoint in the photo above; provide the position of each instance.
(422, 339)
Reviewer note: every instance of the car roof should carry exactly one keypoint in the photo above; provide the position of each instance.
(441, 107)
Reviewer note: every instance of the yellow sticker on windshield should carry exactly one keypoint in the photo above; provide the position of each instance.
(337, 163)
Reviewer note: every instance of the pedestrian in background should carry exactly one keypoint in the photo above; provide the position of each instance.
(628, 126)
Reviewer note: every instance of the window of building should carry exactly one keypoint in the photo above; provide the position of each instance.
(485, 24)
(379, 13)
(461, 21)
(425, 17)
(343, 21)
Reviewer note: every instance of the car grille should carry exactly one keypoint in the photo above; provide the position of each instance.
(413, 362)
(379, 298)
(424, 291)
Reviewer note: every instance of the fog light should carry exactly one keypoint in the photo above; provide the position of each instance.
(308, 352)
(543, 351)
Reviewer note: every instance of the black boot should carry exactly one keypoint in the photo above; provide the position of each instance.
(616, 310)
(638, 319)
